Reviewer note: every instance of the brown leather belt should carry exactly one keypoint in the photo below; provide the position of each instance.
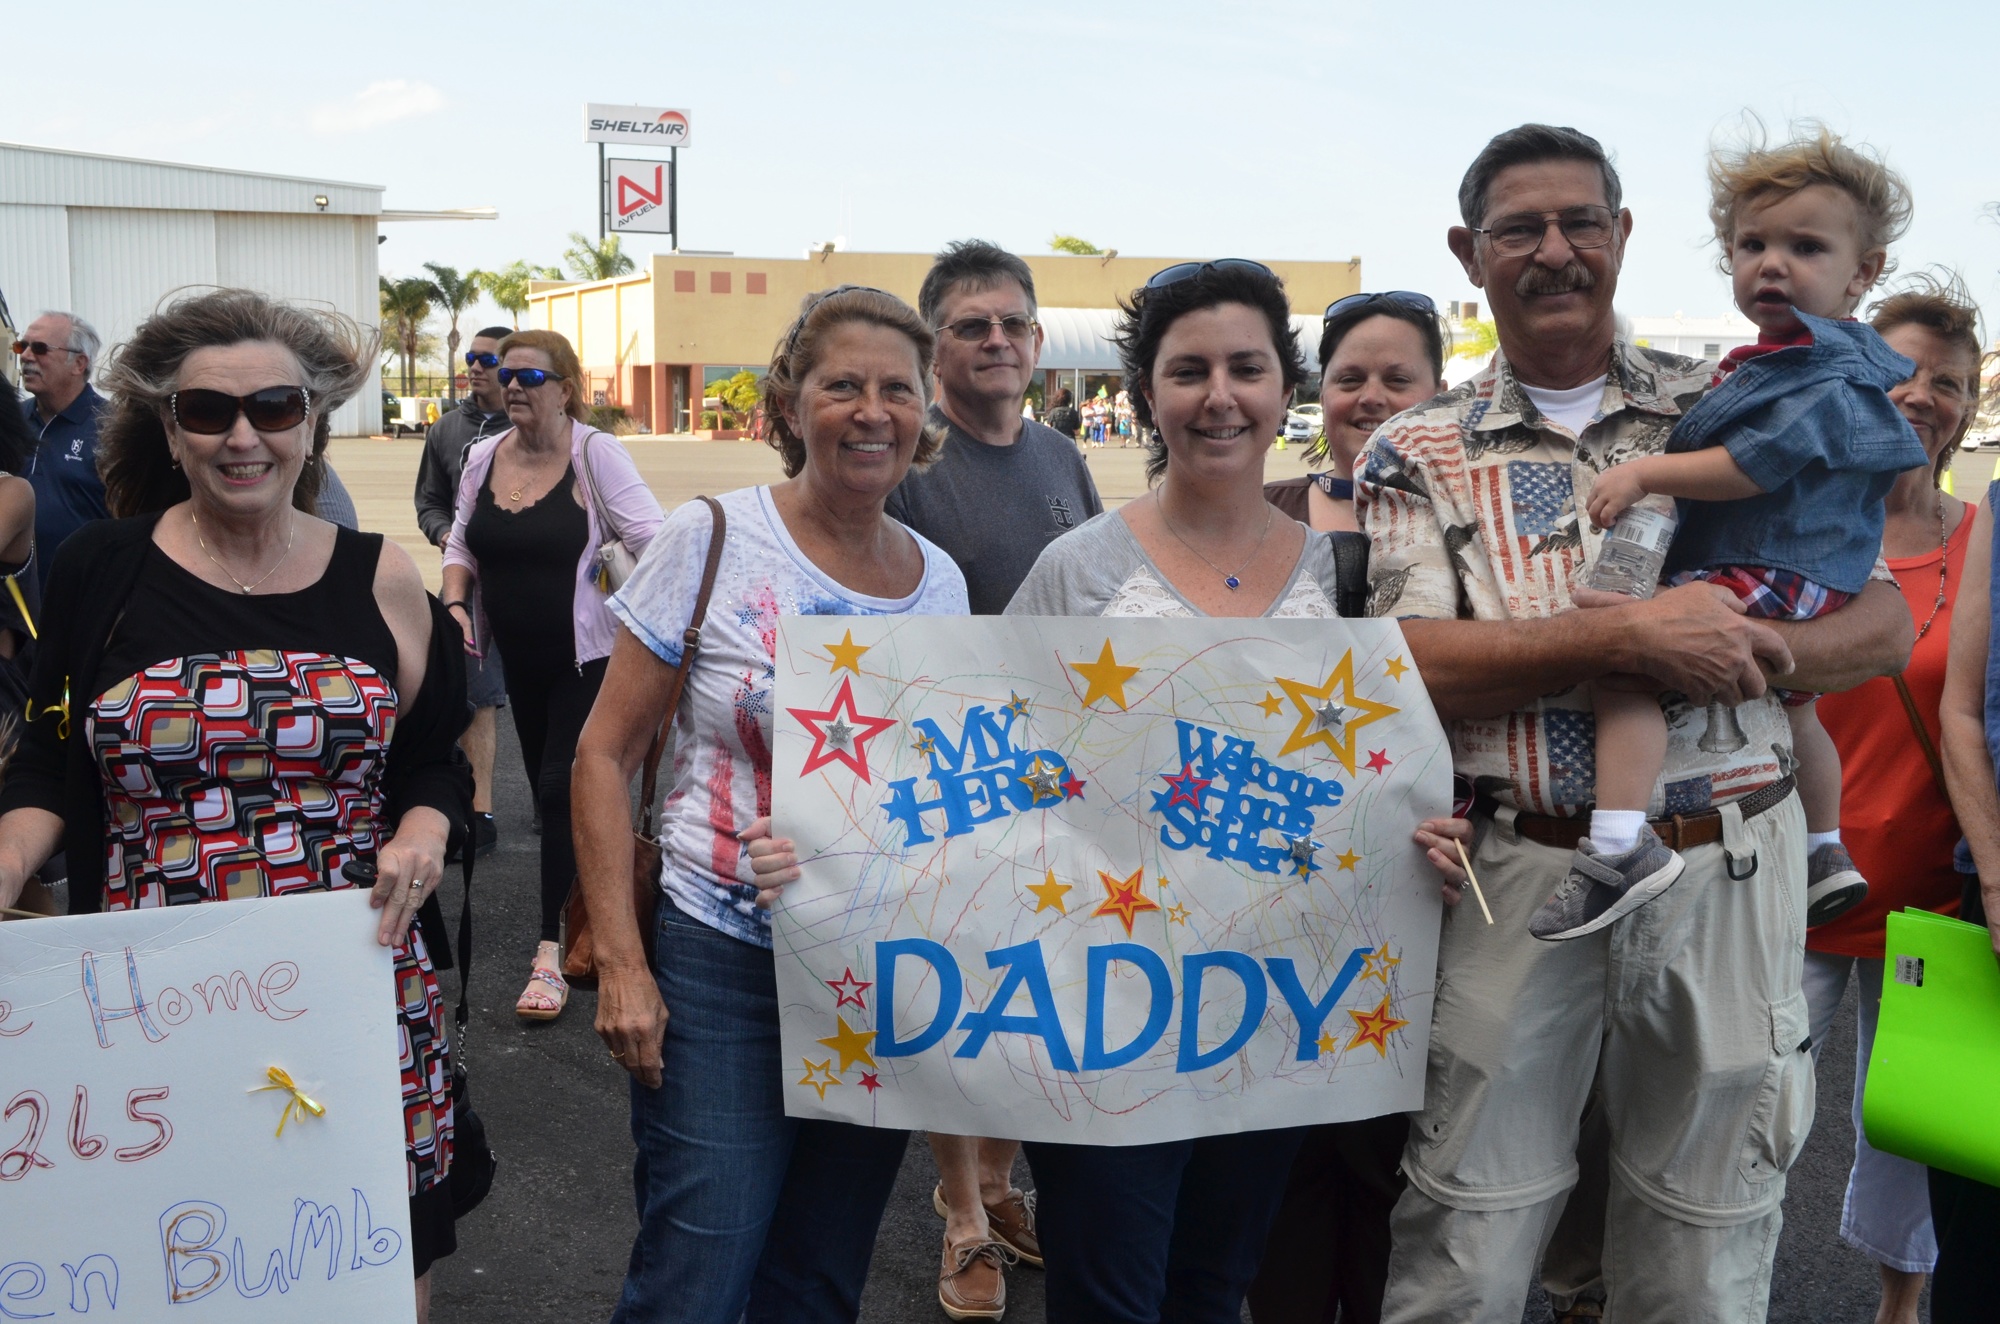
(1677, 831)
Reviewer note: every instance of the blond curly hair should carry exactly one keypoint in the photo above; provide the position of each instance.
(1744, 177)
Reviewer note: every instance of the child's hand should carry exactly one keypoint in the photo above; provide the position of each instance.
(774, 862)
(1616, 489)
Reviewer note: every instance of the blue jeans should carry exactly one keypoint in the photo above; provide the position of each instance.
(740, 1207)
(1157, 1234)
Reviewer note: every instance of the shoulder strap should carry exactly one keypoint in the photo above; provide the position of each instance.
(1350, 565)
(1923, 734)
(690, 643)
(606, 527)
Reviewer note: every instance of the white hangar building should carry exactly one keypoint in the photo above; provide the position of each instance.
(108, 237)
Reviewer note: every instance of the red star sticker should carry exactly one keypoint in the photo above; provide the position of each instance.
(1072, 787)
(850, 990)
(1375, 1027)
(851, 732)
(1378, 759)
(870, 1081)
(1123, 898)
(1186, 787)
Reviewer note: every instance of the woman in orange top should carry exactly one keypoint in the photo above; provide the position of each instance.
(1895, 818)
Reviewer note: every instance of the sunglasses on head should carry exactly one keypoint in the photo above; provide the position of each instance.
(41, 348)
(1401, 298)
(1181, 271)
(805, 313)
(474, 358)
(529, 378)
(209, 413)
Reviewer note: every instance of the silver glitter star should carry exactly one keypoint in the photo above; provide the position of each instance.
(839, 734)
(1302, 849)
(1332, 715)
(1042, 780)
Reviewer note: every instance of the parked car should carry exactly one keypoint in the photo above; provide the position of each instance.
(1979, 438)
(1304, 422)
(413, 414)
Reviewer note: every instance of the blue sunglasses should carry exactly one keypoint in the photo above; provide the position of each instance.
(530, 378)
(474, 357)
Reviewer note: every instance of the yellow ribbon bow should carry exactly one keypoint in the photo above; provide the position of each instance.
(62, 727)
(299, 1104)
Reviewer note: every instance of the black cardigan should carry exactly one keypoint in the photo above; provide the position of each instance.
(93, 575)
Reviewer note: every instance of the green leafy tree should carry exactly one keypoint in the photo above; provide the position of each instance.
(454, 294)
(1476, 339)
(508, 286)
(1069, 243)
(598, 259)
(737, 394)
(406, 306)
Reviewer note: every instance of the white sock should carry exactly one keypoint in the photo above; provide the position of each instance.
(1615, 831)
(1814, 840)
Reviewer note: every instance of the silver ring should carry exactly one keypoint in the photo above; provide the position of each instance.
(416, 884)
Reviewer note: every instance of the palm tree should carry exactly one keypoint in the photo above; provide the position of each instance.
(508, 286)
(599, 260)
(454, 293)
(406, 306)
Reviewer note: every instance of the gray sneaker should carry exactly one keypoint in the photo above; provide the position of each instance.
(1600, 890)
(1833, 885)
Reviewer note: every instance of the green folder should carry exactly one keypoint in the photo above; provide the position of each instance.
(1934, 1078)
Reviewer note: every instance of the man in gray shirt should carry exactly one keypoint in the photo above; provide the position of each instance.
(1004, 486)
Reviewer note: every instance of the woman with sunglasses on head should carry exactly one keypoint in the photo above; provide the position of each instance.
(1379, 354)
(535, 506)
(1175, 1230)
(744, 1212)
(215, 577)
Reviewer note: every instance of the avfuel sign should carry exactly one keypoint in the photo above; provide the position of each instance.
(635, 126)
(638, 194)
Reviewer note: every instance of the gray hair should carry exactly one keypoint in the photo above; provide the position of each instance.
(83, 337)
(1526, 145)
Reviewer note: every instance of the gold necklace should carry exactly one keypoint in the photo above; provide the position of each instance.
(247, 588)
(1944, 565)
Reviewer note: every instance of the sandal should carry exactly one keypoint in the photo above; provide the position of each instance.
(543, 1004)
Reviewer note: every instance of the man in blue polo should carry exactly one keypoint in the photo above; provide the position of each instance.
(57, 351)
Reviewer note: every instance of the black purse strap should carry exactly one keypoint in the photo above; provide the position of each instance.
(464, 953)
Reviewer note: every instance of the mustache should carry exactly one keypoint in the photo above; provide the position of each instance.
(1568, 280)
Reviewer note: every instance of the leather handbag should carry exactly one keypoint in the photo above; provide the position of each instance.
(615, 560)
(579, 965)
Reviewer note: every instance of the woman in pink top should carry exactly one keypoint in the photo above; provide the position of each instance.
(535, 505)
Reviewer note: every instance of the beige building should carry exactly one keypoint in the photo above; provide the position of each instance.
(653, 341)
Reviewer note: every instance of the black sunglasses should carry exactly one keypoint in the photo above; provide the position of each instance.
(474, 357)
(42, 348)
(805, 313)
(1401, 298)
(210, 413)
(529, 378)
(1181, 271)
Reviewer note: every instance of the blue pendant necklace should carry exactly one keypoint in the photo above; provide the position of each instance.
(1229, 581)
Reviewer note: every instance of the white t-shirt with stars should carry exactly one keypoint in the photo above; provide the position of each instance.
(721, 777)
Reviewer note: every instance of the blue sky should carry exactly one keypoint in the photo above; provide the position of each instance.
(1285, 130)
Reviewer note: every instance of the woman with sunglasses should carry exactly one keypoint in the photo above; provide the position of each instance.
(1211, 360)
(1379, 354)
(216, 577)
(535, 505)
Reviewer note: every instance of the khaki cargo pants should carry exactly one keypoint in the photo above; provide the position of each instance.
(1688, 1014)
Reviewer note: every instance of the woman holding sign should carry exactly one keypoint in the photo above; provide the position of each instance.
(739, 1205)
(233, 698)
(1211, 359)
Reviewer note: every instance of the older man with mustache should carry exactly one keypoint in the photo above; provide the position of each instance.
(1687, 1016)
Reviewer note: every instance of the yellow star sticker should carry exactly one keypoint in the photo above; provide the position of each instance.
(813, 1072)
(1327, 1043)
(847, 654)
(851, 1044)
(1348, 859)
(1050, 895)
(1378, 963)
(1375, 1027)
(1177, 913)
(1331, 721)
(1041, 780)
(1272, 704)
(1123, 898)
(924, 745)
(1395, 667)
(1107, 677)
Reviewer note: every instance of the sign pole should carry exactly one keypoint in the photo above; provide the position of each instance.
(603, 195)
(673, 195)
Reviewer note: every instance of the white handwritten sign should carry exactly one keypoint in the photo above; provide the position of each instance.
(141, 1175)
(1104, 880)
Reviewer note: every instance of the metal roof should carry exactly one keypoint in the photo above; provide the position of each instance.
(1079, 339)
(51, 177)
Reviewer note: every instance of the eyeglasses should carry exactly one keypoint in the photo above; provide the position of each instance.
(1401, 298)
(473, 358)
(1181, 271)
(974, 329)
(530, 378)
(210, 413)
(40, 348)
(1522, 234)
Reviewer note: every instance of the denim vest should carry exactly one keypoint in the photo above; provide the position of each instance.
(1814, 427)
(1961, 858)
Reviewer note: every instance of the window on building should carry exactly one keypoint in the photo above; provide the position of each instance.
(1711, 349)
(683, 282)
(1470, 310)
(753, 282)
(718, 282)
